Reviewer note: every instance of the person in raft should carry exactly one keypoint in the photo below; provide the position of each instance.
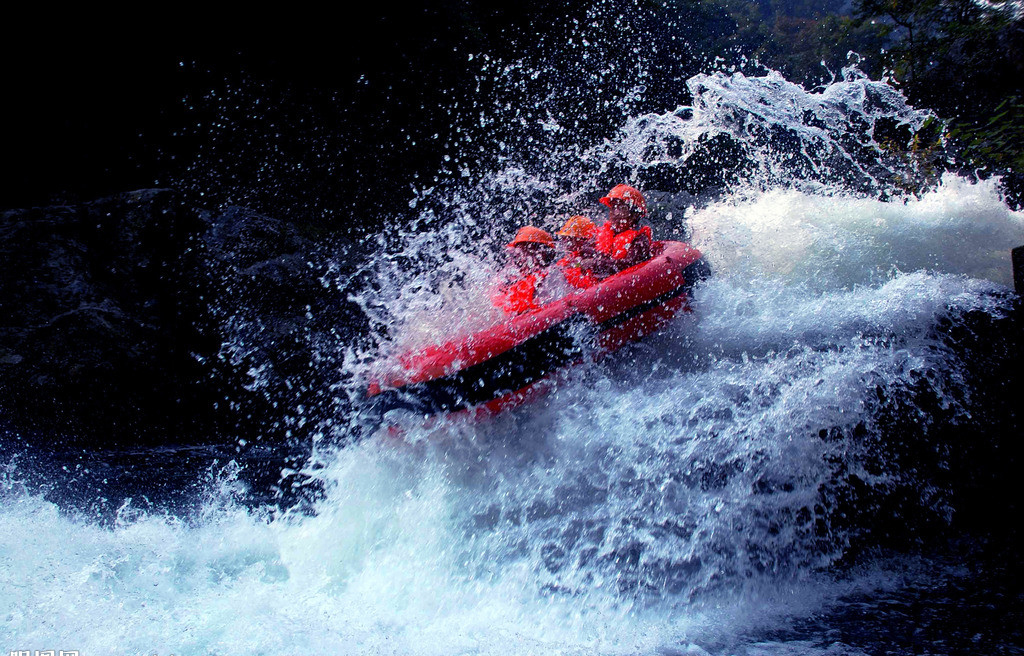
(532, 250)
(621, 241)
(576, 243)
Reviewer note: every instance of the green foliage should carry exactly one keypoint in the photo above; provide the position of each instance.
(962, 59)
(997, 141)
(922, 152)
(965, 60)
(806, 41)
(935, 42)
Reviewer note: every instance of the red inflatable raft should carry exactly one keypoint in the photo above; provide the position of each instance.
(505, 365)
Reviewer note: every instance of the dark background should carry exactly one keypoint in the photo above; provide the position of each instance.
(321, 116)
(94, 107)
(317, 117)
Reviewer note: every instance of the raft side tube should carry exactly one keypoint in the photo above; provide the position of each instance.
(509, 358)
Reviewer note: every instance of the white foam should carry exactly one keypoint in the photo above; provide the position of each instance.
(833, 240)
(376, 572)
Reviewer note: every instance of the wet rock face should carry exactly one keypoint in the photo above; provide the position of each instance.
(275, 321)
(1018, 269)
(113, 314)
(88, 309)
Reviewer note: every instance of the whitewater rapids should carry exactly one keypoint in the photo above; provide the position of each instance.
(665, 501)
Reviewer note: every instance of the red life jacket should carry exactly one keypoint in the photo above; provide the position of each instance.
(518, 297)
(615, 245)
(574, 273)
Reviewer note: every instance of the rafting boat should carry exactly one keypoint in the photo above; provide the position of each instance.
(508, 364)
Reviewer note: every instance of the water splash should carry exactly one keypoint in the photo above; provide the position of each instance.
(702, 485)
(767, 132)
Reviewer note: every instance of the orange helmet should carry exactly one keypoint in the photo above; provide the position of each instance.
(578, 226)
(629, 195)
(530, 234)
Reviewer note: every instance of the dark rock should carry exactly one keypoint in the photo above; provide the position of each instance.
(135, 318)
(243, 238)
(1017, 256)
(280, 328)
(93, 314)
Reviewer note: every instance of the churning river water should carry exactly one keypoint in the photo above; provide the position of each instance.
(731, 485)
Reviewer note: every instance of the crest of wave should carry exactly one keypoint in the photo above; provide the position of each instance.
(834, 241)
(771, 132)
